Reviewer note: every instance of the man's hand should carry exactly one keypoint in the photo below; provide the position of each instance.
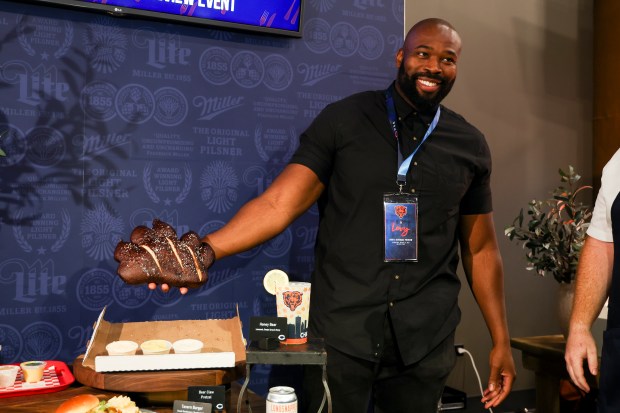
(581, 346)
(501, 378)
(165, 288)
(157, 256)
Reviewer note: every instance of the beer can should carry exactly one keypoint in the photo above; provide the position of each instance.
(281, 399)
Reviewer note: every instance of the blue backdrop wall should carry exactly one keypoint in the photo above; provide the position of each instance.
(110, 122)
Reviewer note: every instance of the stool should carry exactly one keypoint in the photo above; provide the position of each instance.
(310, 353)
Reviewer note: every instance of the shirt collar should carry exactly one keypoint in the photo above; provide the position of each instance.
(404, 109)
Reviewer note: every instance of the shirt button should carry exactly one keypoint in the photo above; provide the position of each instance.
(415, 164)
(378, 345)
(397, 277)
(391, 304)
(376, 354)
(415, 139)
(412, 190)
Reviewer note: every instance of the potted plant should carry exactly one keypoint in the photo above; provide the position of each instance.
(553, 233)
(2, 153)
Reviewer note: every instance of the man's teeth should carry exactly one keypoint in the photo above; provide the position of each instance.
(427, 83)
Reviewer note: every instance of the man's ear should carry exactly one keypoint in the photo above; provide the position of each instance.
(399, 57)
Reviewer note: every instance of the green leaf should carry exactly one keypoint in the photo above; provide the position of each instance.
(553, 232)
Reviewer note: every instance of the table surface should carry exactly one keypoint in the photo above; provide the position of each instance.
(47, 403)
(312, 352)
(552, 345)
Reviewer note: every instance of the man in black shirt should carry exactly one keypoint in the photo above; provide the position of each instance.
(385, 288)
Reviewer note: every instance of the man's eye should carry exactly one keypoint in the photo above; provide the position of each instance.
(422, 54)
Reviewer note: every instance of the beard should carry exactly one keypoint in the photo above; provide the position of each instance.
(425, 102)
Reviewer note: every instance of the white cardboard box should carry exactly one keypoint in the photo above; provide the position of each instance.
(224, 345)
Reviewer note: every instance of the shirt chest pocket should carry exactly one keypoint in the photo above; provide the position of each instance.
(440, 185)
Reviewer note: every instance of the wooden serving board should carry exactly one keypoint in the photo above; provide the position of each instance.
(155, 381)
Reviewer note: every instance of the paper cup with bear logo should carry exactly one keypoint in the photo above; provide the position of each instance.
(293, 302)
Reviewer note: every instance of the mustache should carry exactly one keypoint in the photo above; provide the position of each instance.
(427, 75)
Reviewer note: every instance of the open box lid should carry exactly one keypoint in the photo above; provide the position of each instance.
(224, 345)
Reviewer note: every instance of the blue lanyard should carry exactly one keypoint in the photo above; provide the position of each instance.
(403, 165)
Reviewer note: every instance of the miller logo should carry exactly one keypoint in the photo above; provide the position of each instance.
(316, 35)
(247, 69)
(344, 39)
(49, 230)
(32, 280)
(42, 341)
(323, 5)
(371, 43)
(366, 4)
(214, 106)
(46, 146)
(135, 103)
(215, 65)
(106, 45)
(44, 36)
(292, 299)
(275, 141)
(278, 72)
(314, 73)
(398, 8)
(168, 181)
(400, 211)
(34, 83)
(163, 48)
(13, 141)
(100, 233)
(12, 343)
(171, 107)
(219, 186)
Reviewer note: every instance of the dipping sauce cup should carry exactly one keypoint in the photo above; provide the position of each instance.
(8, 375)
(187, 345)
(156, 347)
(33, 370)
(122, 348)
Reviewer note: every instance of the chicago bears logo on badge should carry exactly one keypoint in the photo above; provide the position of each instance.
(400, 211)
(292, 299)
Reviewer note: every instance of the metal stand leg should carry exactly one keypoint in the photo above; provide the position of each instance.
(245, 385)
(327, 392)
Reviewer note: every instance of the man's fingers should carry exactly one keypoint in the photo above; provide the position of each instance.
(593, 362)
(498, 388)
(165, 288)
(576, 373)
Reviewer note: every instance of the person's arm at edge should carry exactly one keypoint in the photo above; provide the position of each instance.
(262, 218)
(593, 281)
(483, 267)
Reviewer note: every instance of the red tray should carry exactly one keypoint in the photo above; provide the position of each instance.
(56, 377)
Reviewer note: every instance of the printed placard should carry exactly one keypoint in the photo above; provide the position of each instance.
(267, 327)
(184, 406)
(215, 395)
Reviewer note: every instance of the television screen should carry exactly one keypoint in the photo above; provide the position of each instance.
(271, 16)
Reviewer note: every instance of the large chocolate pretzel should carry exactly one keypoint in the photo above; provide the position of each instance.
(157, 256)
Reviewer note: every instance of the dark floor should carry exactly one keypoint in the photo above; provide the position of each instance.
(517, 402)
(524, 401)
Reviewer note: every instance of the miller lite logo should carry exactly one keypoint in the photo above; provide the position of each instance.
(292, 299)
(400, 211)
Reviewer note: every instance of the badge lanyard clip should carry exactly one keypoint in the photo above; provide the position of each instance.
(403, 166)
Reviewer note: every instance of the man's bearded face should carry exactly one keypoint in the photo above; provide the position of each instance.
(421, 100)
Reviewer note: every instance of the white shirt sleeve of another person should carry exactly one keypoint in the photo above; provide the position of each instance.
(600, 225)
